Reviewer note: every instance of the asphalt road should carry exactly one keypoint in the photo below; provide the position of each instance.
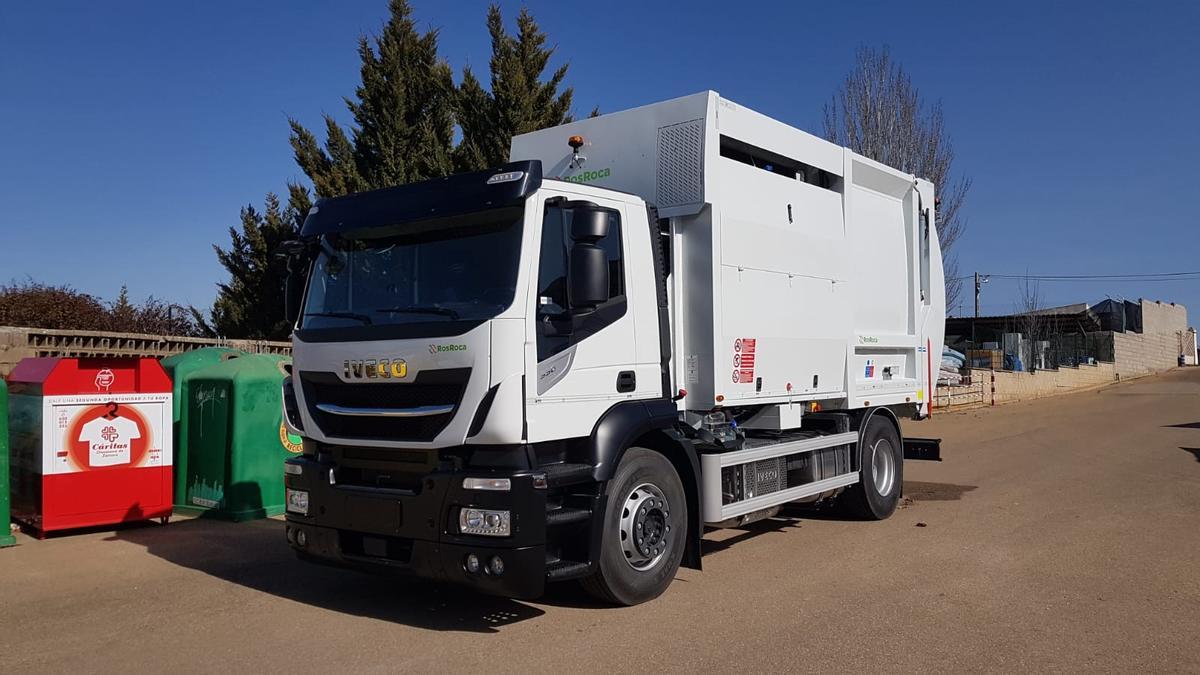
(1059, 535)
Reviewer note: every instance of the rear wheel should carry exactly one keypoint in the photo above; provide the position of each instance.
(881, 458)
(645, 521)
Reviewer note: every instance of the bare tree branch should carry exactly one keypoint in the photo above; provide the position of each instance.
(879, 113)
(1031, 323)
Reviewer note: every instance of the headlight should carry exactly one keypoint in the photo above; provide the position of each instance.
(485, 522)
(297, 501)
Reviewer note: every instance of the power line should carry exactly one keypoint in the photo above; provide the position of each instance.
(1156, 276)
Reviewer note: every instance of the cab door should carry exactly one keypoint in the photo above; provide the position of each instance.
(580, 361)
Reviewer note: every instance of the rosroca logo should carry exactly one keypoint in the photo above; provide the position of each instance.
(439, 349)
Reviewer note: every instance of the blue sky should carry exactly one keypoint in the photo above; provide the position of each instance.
(132, 132)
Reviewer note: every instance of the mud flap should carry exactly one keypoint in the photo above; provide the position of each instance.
(923, 448)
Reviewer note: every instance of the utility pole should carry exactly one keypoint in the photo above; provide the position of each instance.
(980, 279)
(977, 295)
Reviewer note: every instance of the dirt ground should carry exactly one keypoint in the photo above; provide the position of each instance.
(1057, 535)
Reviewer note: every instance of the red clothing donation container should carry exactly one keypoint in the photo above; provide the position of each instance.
(90, 441)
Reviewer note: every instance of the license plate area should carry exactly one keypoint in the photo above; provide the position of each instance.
(374, 514)
(360, 545)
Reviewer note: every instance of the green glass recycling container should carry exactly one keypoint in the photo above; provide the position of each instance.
(236, 440)
(6, 536)
(178, 367)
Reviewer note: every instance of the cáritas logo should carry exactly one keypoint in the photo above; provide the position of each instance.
(105, 379)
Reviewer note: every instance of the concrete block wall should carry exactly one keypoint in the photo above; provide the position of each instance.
(1165, 335)
(1163, 317)
(1024, 386)
(19, 343)
(1142, 354)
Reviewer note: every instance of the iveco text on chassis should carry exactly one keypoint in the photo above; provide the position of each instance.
(670, 318)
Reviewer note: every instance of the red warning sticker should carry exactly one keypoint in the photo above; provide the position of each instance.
(743, 360)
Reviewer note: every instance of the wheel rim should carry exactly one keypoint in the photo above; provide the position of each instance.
(645, 526)
(883, 466)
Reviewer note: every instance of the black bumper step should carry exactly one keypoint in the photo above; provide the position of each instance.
(929, 449)
(565, 515)
(558, 475)
(562, 570)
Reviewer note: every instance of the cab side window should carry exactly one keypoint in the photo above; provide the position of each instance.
(558, 327)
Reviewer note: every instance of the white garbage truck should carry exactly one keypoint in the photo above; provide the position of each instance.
(649, 323)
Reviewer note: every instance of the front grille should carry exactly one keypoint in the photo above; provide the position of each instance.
(431, 387)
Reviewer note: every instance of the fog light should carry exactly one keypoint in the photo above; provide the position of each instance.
(496, 565)
(301, 538)
(291, 535)
(297, 501)
(484, 521)
(472, 563)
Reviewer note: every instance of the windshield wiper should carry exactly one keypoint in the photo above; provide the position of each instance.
(420, 309)
(362, 318)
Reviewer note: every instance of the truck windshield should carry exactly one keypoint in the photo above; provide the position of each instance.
(463, 268)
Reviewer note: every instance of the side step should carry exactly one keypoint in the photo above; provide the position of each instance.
(558, 475)
(565, 515)
(562, 570)
(923, 448)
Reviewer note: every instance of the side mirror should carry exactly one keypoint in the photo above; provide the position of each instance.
(587, 271)
(589, 224)
(297, 255)
(293, 295)
(587, 279)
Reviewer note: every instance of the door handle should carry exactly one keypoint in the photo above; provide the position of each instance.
(626, 381)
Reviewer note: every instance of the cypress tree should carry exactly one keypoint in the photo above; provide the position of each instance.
(403, 116)
(519, 101)
(250, 304)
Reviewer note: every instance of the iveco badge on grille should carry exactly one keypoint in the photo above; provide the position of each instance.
(374, 368)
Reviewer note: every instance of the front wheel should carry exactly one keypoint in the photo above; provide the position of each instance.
(881, 458)
(645, 522)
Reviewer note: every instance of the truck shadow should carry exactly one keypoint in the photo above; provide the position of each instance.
(914, 492)
(1194, 451)
(793, 515)
(935, 492)
(255, 555)
(1183, 425)
(786, 520)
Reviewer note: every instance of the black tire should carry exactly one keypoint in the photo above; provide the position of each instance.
(628, 578)
(864, 499)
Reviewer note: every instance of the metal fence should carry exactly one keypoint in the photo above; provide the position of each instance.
(1047, 350)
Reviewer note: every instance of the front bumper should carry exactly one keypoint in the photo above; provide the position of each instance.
(415, 532)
